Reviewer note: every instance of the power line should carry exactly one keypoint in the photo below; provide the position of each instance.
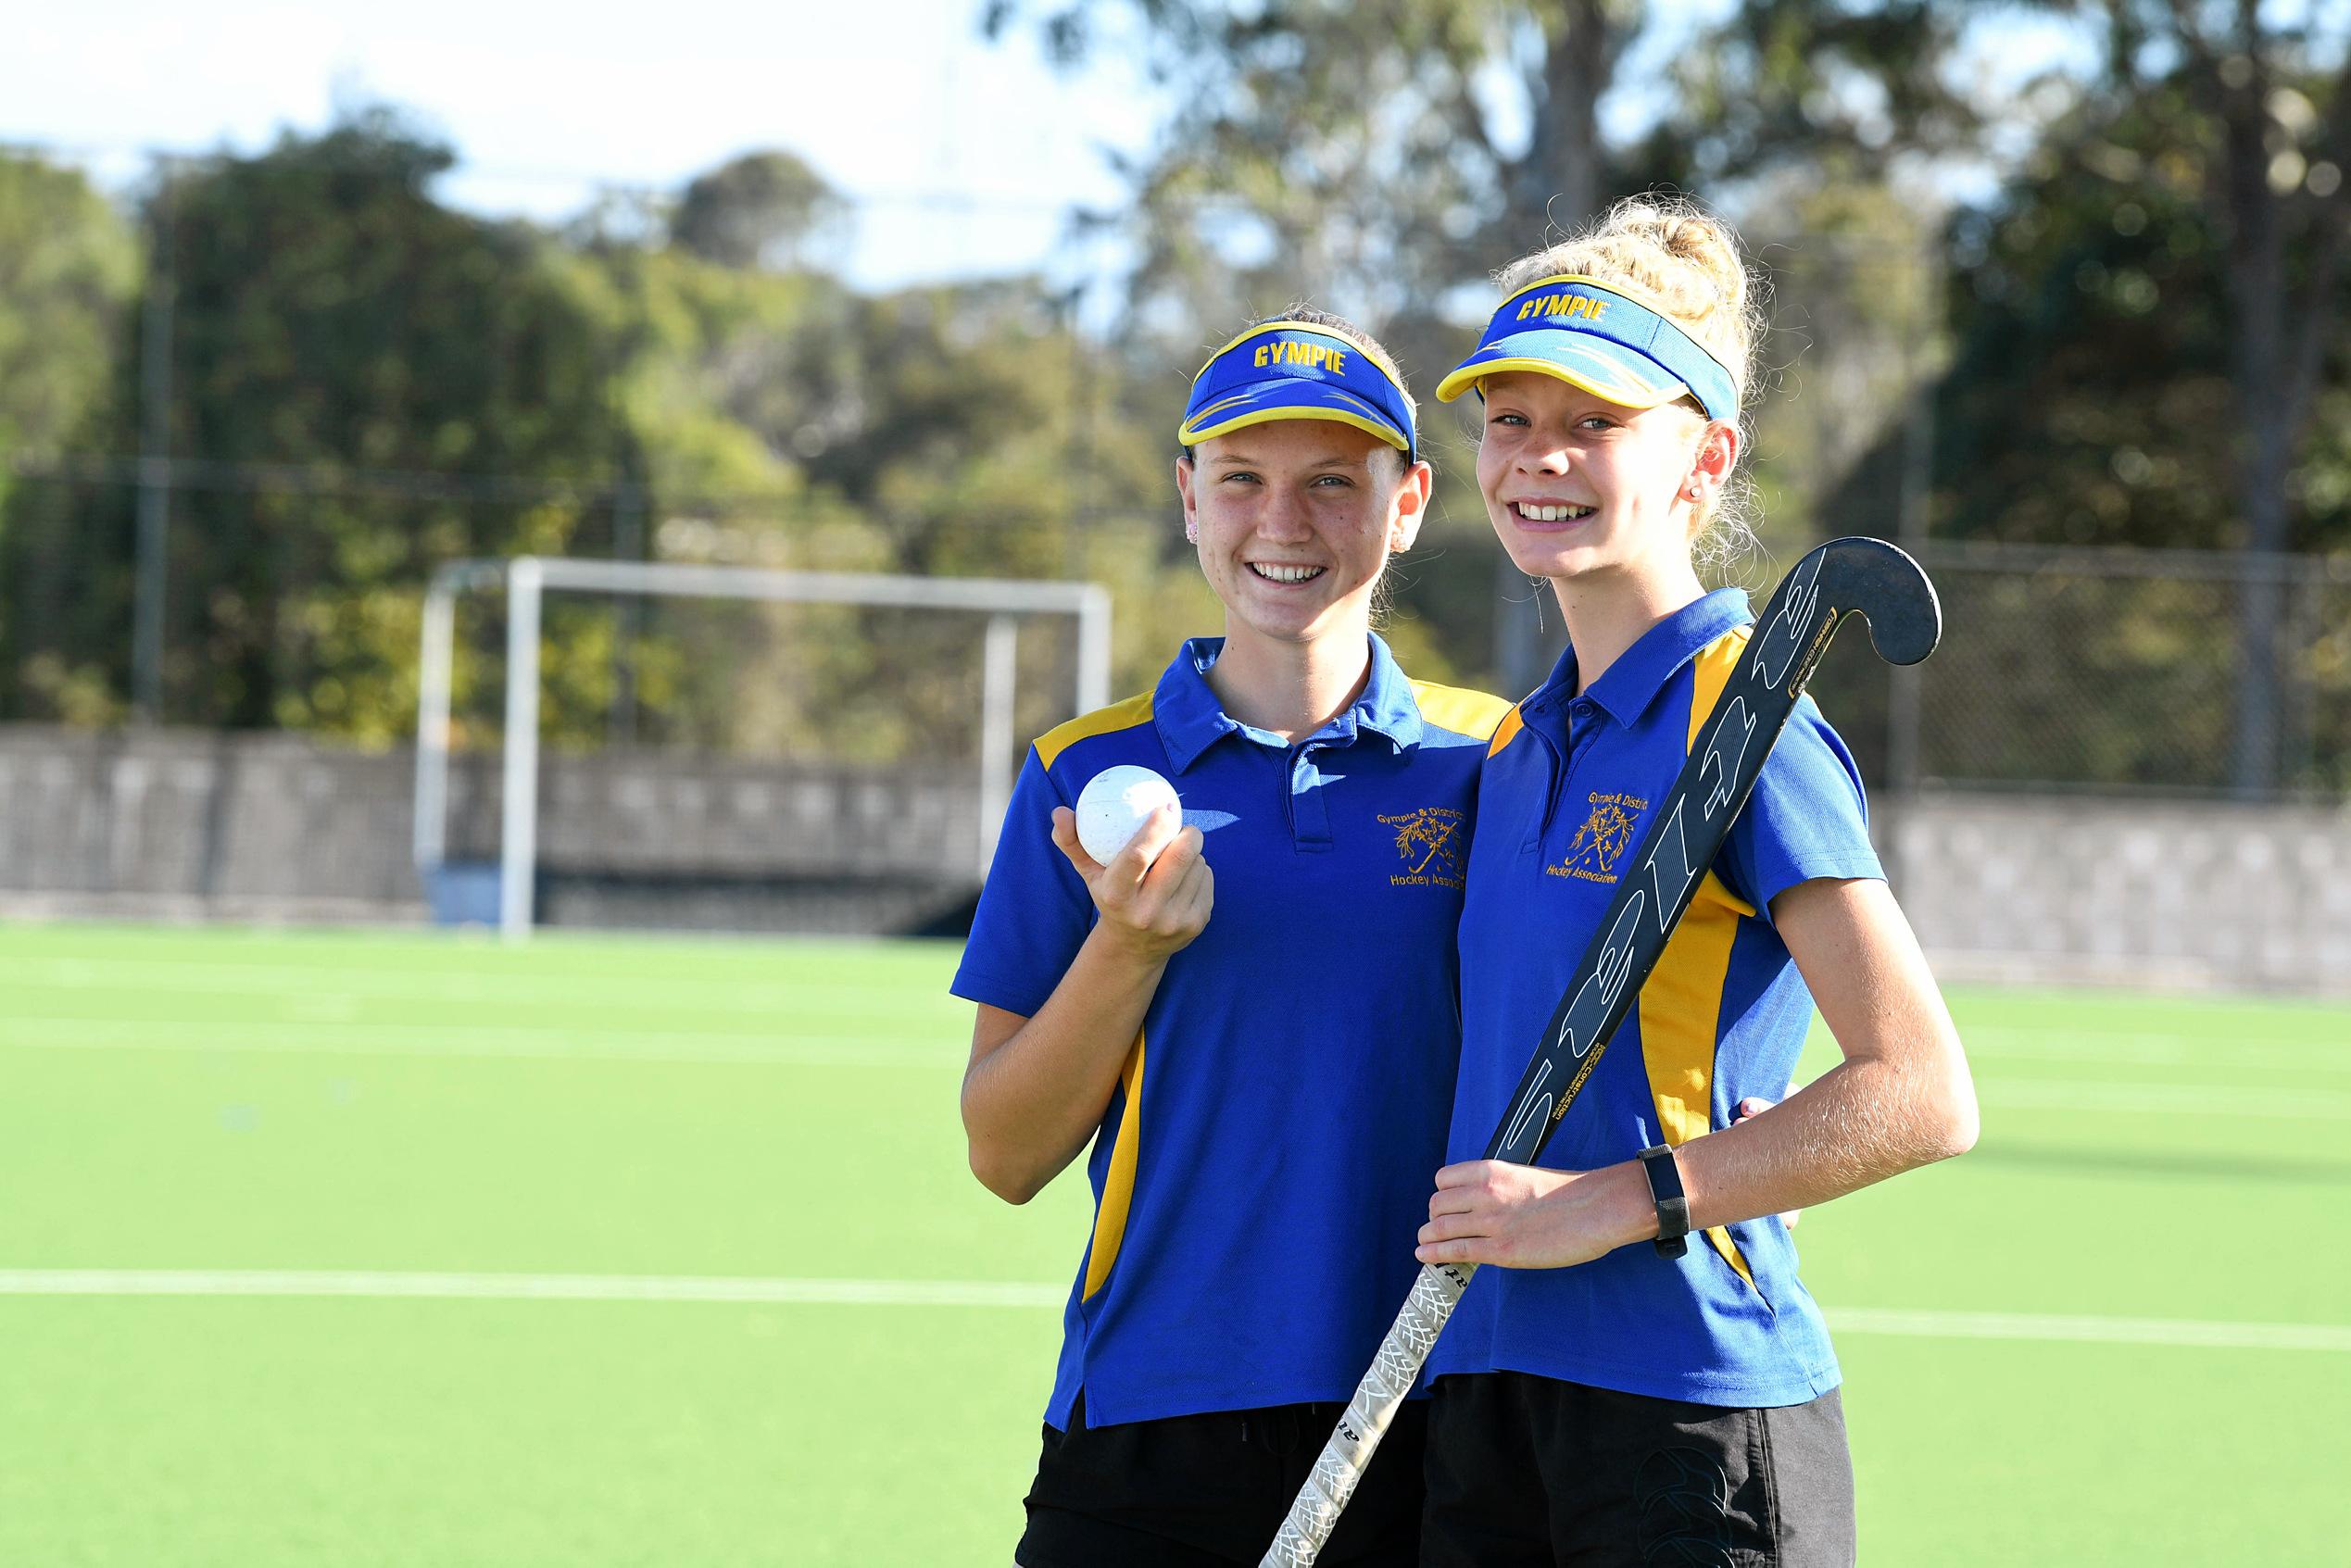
(932, 199)
(319, 480)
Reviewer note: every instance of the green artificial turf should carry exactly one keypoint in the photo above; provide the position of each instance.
(393, 1105)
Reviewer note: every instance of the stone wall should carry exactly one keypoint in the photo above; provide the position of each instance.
(179, 824)
(193, 825)
(2178, 894)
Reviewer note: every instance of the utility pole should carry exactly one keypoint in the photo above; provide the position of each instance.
(155, 457)
(1915, 511)
(628, 545)
(1081, 437)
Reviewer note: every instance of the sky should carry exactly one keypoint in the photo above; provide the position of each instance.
(964, 156)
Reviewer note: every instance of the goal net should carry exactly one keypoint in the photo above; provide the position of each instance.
(662, 744)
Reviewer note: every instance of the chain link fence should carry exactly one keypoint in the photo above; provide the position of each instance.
(2115, 671)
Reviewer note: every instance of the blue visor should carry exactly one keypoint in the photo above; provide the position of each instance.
(1592, 336)
(1291, 371)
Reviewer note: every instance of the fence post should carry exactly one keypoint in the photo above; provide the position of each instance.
(998, 665)
(2301, 751)
(155, 460)
(519, 829)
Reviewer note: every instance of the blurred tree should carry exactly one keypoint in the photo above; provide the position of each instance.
(785, 420)
(330, 316)
(366, 383)
(2142, 317)
(69, 267)
(2259, 127)
(1382, 158)
(763, 209)
(1852, 89)
(69, 271)
(1381, 155)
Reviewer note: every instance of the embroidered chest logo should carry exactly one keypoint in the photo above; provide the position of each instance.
(1429, 841)
(1606, 835)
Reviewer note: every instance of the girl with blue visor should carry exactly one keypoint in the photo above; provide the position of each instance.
(1246, 1020)
(1617, 1392)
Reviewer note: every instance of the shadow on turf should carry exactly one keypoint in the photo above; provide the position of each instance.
(2185, 1165)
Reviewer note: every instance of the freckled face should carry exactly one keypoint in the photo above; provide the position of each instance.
(1575, 483)
(1296, 519)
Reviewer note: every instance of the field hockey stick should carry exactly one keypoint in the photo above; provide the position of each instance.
(1867, 577)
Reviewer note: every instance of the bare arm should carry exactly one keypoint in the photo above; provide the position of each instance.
(1036, 1087)
(1901, 1098)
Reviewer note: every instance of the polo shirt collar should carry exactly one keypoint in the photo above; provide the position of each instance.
(1632, 682)
(1184, 706)
(1387, 705)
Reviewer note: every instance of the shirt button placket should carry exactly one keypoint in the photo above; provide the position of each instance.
(1309, 819)
(1583, 729)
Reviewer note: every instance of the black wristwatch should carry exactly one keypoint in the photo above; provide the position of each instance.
(1673, 1209)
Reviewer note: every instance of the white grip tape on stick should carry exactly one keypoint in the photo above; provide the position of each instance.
(1393, 1373)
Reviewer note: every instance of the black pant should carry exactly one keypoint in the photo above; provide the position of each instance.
(1528, 1472)
(1201, 1491)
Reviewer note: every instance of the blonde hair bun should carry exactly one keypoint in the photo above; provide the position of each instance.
(1676, 255)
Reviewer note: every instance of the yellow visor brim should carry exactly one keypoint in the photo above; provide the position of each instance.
(1230, 414)
(1605, 370)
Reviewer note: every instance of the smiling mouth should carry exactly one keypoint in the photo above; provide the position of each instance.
(1285, 574)
(1528, 511)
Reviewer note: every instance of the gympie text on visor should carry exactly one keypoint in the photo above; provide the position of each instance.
(1601, 339)
(1292, 370)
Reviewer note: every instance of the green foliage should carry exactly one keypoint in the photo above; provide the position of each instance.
(686, 379)
(327, 316)
(762, 210)
(365, 383)
(1855, 334)
(67, 270)
(1780, 82)
(2095, 321)
(2121, 375)
(1385, 159)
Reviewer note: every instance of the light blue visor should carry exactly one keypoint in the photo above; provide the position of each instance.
(1595, 338)
(1291, 371)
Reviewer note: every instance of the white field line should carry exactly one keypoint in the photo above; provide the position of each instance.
(2217, 1049)
(564, 1042)
(2184, 1333)
(2282, 1103)
(690, 993)
(329, 985)
(552, 1043)
(529, 1288)
(559, 1042)
(2187, 1333)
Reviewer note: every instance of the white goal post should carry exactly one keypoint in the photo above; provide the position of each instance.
(528, 579)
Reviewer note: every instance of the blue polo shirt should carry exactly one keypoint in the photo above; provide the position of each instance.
(1261, 1172)
(1569, 791)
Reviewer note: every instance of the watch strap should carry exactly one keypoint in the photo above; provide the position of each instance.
(1673, 1206)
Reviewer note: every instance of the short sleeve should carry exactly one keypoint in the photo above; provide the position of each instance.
(1034, 910)
(1808, 817)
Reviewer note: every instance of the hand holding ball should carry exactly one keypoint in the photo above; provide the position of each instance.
(1150, 913)
(1114, 805)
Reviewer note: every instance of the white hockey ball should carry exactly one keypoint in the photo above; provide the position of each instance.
(1116, 804)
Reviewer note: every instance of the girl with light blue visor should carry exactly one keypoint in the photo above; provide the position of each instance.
(1618, 1391)
(1248, 1013)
